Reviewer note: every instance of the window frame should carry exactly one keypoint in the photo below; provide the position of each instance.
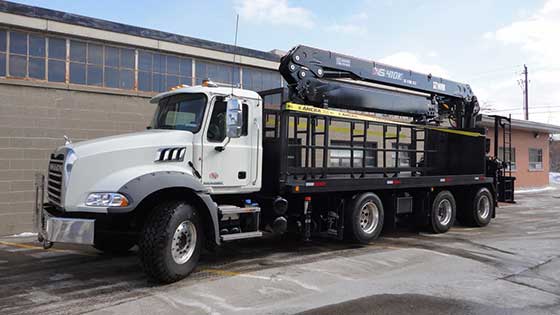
(540, 160)
(175, 97)
(513, 161)
(57, 61)
(406, 156)
(211, 115)
(372, 147)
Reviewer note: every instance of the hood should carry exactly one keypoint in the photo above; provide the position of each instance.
(150, 138)
(106, 164)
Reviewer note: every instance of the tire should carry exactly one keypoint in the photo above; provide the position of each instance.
(479, 209)
(442, 215)
(166, 243)
(364, 218)
(114, 246)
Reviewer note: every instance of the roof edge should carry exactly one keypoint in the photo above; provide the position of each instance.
(519, 124)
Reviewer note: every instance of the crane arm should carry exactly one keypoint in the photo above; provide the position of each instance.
(327, 79)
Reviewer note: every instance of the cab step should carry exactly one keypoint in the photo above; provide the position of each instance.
(240, 236)
(228, 209)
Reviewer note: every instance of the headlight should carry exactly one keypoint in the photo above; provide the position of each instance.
(68, 164)
(106, 200)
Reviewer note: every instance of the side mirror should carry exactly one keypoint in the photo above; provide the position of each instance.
(234, 118)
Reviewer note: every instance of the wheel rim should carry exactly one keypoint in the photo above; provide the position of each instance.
(369, 217)
(184, 242)
(444, 212)
(483, 207)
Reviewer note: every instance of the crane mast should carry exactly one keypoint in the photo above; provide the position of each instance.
(327, 79)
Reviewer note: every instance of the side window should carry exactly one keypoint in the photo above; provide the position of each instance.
(245, 129)
(217, 126)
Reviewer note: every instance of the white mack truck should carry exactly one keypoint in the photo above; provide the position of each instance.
(220, 164)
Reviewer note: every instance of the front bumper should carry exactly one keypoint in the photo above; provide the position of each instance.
(52, 229)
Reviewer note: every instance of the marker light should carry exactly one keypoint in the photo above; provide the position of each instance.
(106, 200)
(208, 83)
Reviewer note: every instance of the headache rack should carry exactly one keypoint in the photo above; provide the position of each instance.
(305, 143)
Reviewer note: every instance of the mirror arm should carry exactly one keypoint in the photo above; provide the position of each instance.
(221, 148)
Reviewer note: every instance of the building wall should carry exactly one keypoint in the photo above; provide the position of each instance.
(33, 121)
(555, 156)
(522, 141)
(88, 84)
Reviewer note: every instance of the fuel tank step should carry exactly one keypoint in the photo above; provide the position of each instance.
(240, 236)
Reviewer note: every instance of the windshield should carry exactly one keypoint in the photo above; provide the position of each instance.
(180, 112)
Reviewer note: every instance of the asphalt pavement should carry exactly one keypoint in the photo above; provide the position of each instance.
(510, 267)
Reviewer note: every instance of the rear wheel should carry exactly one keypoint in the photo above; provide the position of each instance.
(171, 242)
(479, 210)
(364, 218)
(442, 216)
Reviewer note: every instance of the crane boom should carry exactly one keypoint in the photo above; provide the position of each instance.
(317, 77)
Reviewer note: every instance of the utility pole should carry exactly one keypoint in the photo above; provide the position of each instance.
(526, 92)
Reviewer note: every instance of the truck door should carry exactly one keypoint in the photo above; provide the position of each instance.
(226, 162)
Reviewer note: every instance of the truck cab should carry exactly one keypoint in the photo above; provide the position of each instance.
(224, 125)
(203, 141)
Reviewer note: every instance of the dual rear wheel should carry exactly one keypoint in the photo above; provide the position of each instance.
(364, 215)
(476, 209)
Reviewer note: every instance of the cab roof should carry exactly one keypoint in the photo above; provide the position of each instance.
(211, 91)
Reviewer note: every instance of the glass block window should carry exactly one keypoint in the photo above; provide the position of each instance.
(259, 79)
(160, 72)
(217, 72)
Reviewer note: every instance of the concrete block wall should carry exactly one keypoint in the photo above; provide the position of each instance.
(33, 121)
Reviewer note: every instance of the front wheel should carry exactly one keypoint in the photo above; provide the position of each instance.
(364, 218)
(171, 241)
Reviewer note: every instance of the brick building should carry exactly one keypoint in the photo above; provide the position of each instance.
(530, 150)
(555, 153)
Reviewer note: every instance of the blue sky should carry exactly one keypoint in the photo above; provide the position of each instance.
(483, 43)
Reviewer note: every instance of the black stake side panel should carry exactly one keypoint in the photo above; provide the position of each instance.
(373, 184)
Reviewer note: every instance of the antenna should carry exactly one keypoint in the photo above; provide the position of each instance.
(234, 53)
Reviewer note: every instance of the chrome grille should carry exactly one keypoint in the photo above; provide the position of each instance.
(55, 179)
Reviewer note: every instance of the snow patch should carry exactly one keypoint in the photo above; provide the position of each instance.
(554, 178)
(533, 190)
(24, 234)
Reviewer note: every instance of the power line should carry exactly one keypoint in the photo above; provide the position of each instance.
(517, 108)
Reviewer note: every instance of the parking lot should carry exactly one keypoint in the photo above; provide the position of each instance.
(511, 266)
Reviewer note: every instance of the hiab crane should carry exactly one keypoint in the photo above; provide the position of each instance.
(314, 159)
(310, 73)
